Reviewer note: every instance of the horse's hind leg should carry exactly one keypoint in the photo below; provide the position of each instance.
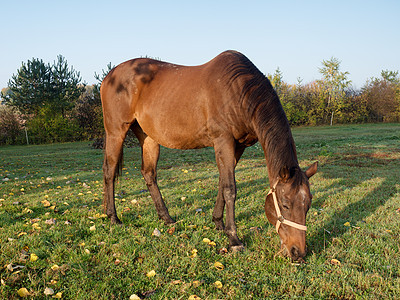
(150, 155)
(112, 161)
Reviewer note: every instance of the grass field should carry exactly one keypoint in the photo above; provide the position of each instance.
(54, 238)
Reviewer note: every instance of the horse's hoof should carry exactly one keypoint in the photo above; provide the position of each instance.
(220, 226)
(115, 220)
(169, 221)
(237, 248)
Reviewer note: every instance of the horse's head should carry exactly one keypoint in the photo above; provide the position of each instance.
(286, 207)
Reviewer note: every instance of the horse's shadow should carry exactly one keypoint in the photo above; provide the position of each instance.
(355, 212)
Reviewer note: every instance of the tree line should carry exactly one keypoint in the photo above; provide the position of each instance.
(47, 103)
(333, 100)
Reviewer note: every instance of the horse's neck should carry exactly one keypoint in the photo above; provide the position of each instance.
(279, 150)
(270, 125)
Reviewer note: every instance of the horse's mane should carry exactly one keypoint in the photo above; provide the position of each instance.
(258, 98)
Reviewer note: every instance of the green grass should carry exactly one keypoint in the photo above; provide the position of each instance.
(357, 185)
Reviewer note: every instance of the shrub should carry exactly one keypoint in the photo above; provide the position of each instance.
(11, 126)
(46, 127)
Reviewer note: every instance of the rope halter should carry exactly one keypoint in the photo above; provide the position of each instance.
(281, 219)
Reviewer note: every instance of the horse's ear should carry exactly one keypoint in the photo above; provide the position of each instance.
(312, 170)
(284, 174)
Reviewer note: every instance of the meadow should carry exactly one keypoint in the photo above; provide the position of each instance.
(55, 241)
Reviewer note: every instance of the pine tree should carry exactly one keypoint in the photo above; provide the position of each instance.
(99, 77)
(29, 89)
(66, 87)
(37, 85)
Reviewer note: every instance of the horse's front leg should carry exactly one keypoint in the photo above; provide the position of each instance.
(218, 213)
(226, 161)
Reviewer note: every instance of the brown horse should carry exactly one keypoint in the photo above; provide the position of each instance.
(227, 104)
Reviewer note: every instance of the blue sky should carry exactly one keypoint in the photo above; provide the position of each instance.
(292, 35)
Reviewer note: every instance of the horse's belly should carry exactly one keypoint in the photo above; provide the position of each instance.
(174, 134)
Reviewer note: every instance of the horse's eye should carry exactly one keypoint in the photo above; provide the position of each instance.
(285, 207)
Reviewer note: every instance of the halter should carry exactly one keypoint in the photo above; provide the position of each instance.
(281, 219)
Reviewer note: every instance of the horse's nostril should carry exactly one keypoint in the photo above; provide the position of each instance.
(294, 251)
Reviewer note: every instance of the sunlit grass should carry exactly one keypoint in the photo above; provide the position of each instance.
(51, 207)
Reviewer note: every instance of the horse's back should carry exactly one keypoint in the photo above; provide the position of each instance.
(134, 76)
